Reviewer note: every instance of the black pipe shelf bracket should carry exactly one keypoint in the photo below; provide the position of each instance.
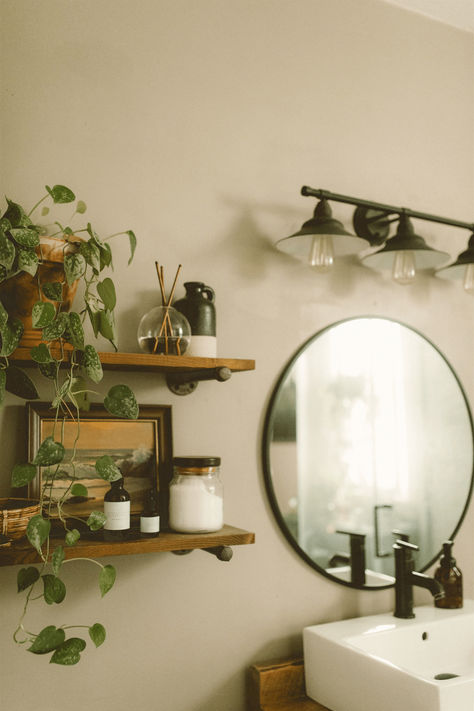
(185, 383)
(223, 553)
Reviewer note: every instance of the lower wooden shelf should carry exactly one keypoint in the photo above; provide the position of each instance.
(21, 552)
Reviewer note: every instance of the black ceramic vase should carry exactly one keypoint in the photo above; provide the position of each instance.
(199, 309)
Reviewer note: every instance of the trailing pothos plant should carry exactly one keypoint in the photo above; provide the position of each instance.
(69, 364)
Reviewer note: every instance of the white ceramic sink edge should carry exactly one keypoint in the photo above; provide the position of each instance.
(376, 663)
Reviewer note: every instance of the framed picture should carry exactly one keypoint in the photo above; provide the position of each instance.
(141, 448)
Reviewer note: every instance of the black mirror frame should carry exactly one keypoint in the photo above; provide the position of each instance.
(266, 463)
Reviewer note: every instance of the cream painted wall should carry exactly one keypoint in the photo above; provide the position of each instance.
(195, 123)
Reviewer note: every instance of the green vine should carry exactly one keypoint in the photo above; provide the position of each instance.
(63, 358)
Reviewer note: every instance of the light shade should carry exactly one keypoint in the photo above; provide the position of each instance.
(462, 268)
(405, 240)
(305, 243)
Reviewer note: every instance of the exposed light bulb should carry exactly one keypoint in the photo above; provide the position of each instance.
(404, 270)
(321, 253)
(468, 282)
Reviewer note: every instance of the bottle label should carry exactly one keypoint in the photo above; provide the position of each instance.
(118, 515)
(149, 524)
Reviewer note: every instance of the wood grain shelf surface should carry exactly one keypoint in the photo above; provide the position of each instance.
(148, 362)
(21, 552)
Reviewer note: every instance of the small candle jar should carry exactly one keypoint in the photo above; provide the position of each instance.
(196, 495)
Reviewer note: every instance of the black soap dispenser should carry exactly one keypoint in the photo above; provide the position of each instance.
(450, 577)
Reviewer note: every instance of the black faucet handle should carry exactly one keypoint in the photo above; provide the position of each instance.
(405, 545)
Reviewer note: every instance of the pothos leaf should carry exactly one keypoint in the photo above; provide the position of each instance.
(7, 251)
(37, 531)
(28, 261)
(57, 559)
(22, 474)
(97, 634)
(107, 469)
(78, 394)
(72, 537)
(54, 589)
(56, 328)
(49, 452)
(3, 316)
(41, 354)
(26, 578)
(42, 314)
(11, 336)
(48, 639)
(121, 402)
(91, 364)
(91, 254)
(53, 290)
(107, 325)
(106, 579)
(106, 291)
(69, 652)
(61, 194)
(133, 244)
(20, 384)
(48, 370)
(16, 215)
(96, 520)
(25, 236)
(74, 267)
(75, 331)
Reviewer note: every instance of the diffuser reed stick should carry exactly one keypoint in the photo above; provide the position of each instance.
(166, 329)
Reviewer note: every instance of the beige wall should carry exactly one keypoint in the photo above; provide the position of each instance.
(195, 122)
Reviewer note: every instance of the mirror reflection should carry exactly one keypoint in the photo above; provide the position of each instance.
(368, 438)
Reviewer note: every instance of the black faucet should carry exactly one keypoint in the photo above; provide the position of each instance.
(406, 577)
(357, 557)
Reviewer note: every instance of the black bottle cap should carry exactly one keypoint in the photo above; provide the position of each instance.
(197, 461)
(447, 557)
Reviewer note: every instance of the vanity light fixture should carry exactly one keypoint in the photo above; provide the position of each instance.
(405, 253)
(322, 238)
(462, 268)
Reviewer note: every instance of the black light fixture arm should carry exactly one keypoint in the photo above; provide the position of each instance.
(383, 208)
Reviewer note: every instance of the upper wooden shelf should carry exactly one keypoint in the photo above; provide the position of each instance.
(21, 552)
(149, 362)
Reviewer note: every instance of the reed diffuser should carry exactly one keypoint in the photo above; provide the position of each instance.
(163, 330)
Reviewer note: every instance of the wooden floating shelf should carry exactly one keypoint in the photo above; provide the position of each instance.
(21, 552)
(148, 362)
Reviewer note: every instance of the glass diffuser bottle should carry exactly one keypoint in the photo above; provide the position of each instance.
(164, 330)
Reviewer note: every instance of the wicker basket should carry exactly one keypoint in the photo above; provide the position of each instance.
(15, 514)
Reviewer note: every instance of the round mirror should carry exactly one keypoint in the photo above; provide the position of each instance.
(368, 438)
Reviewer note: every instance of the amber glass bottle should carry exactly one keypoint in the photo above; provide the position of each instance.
(117, 511)
(450, 577)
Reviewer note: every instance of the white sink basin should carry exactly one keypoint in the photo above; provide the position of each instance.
(382, 663)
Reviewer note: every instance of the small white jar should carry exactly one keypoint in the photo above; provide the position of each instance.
(196, 495)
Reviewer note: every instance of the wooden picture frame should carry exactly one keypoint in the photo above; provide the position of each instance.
(141, 448)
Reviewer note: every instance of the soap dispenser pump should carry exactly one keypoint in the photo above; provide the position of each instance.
(450, 577)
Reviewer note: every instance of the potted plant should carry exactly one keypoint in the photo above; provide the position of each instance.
(68, 363)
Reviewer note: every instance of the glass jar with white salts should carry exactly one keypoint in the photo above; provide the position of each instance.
(196, 495)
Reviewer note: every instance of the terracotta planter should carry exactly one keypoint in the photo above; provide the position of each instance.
(20, 292)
